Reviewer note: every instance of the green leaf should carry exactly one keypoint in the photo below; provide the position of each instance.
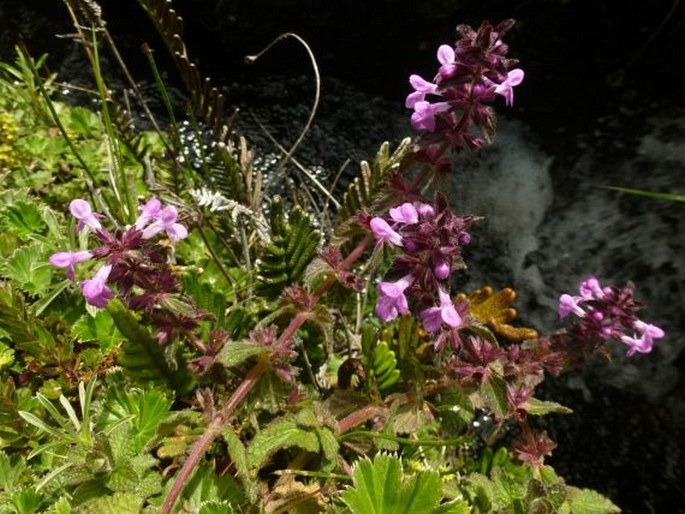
(237, 452)
(650, 194)
(29, 269)
(11, 470)
(205, 486)
(23, 218)
(99, 328)
(61, 506)
(294, 243)
(146, 410)
(142, 357)
(506, 490)
(379, 489)
(215, 507)
(26, 501)
(117, 503)
(6, 356)
(587, 501)
(284, 433)
(540, 407)
(237, 352)
(494, 393)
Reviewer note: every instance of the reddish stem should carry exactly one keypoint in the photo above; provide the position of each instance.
(200, 447)
(250, 380)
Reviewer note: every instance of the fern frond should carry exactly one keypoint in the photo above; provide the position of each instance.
(207, 99)
(216, 202)
(294, 243)
(367, 190)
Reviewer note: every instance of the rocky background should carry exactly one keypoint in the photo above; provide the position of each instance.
(601, 105)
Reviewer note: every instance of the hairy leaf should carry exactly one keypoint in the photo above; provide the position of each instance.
(284, 433)
(379, 488)
(141, 356)
(586, 501)
(99, 328)
(22, 218)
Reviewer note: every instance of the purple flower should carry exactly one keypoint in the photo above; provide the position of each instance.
(421, 88)
(148, 212)
(95, 290)
(441, 266)
(423, 117)
(405, 213)
(68, 259)
(644, 339)
(570, 304)
(434, 317)
(506, 88)
(82, 211)
(448, 65)
(425, 210)
(590, 288)
(392, 301)
(166, 221)
(384, 232)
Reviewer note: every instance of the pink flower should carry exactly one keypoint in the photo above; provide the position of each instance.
(447, 61)
(421, 88)
(166, 221)
(68, 259)
(95, 290)
(424, 113)
(405, 213)
(384, 232)
(441, 267)
(643, 341)
(82, 211)
(570, 304)
(590, 288)
(506, 88)
(434, 317)
(393, 301)
(148, 212)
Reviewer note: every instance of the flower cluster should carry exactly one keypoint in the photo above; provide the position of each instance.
(429, 238)
(470, 75)
(604, 313)
(137, 264)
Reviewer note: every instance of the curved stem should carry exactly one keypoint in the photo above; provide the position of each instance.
(210, 434)
(247, 384)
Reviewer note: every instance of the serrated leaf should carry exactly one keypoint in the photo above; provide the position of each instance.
(236, 450)
(61, 506)
(505, 489)
(29, 269)
(215, 507)
(117, 503)
(142, 357)
(99, 328)
(10, 471)
(284, 433)
(379, 489)
(6, 356)
(587, 501)
(494, 393)
(205, 486)
(146, 410)
(26, 501)
(237, 352)
(540, 407)
(23, 218)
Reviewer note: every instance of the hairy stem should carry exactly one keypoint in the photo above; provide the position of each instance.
(247, 384)
(210, 434)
